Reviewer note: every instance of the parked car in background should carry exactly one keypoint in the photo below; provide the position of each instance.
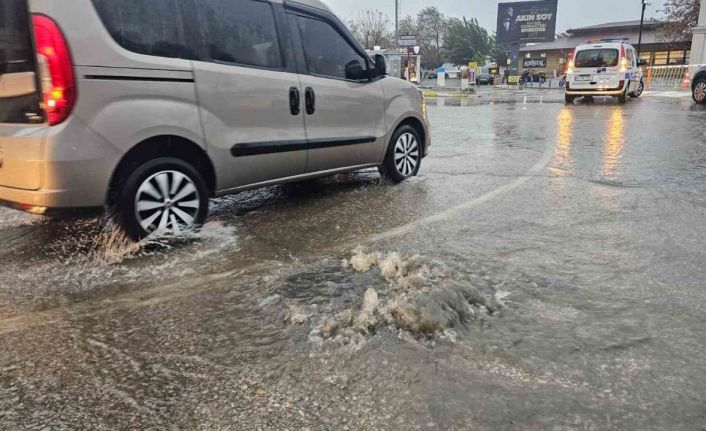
(485, 79)
(99, 106)
(606, 69)
(698, 86)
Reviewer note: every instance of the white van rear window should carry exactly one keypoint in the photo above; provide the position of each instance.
(597, 58)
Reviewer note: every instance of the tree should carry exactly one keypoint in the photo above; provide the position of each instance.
(431, 26)
(408, 25)
(681, 17)
(465, 41)
(372, 28)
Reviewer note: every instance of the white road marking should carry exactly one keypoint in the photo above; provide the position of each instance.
(446, 214)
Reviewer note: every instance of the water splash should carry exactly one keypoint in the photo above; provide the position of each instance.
(426, 299)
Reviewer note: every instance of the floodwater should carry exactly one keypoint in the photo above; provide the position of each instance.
(544, 272)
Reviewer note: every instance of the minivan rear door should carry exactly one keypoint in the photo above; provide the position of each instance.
(596, 68)
(248, 91)
(345, 122)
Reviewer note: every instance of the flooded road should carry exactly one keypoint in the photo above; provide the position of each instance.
(544, 271)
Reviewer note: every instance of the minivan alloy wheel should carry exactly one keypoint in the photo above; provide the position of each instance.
(406, 154)
(167, 200)
(700, 91)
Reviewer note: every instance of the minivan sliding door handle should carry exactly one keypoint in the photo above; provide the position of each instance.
(294, 101)
(310, 100)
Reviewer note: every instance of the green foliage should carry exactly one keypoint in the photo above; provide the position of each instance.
(465, 41)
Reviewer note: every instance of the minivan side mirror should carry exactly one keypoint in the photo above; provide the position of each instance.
(642, 63)
(380, 65)
(355, 71)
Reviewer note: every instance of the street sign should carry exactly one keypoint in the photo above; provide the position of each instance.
(408, 40)
(530, 21)
(473, 65)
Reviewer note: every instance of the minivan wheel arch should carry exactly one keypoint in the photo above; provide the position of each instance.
(697, 77)
(418, 126)
(162, 146)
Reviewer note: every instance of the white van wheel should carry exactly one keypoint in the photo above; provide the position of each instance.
(623, 98)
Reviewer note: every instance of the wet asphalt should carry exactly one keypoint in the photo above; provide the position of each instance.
(545, 271)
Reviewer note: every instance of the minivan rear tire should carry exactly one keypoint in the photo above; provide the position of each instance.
(623, 98)
(404, 155)
(149, 181)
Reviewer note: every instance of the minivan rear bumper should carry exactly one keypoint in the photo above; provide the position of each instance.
(51, 201)
(595, 92)
(69, 164)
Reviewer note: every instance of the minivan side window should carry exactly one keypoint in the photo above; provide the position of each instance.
(328, 53)
(240, 32)
(151, 27)
(230, 31)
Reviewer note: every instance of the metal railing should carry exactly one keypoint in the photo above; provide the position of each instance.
(669, 78)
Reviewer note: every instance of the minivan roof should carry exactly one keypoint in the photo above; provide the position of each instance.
(615, 45)
(319, 4)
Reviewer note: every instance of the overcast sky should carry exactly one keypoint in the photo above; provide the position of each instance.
(571, 13)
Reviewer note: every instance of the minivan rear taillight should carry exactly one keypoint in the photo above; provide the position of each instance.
(623, 60)
(55, 70)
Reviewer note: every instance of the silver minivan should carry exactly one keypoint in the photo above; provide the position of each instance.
(151, 107)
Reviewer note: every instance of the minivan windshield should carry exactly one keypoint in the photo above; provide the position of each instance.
(15, 41)
(597, 58)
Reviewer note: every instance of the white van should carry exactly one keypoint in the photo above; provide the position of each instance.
(606, 69)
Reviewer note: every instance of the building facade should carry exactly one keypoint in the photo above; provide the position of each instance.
(552, 57)
(698, 47)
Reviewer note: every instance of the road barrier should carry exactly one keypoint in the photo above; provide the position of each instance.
(670, 78)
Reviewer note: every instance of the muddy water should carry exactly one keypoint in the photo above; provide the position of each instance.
(544, 272)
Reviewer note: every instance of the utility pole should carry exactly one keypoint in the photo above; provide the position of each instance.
(642, 22)
(397, 23)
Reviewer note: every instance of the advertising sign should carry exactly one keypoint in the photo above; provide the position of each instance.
(531, 21)
(533, 63)
(408, 40)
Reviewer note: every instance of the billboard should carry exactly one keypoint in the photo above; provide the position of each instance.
(531, 63)
(407, 40)
(523, 22)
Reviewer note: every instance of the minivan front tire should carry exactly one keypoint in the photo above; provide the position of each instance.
(638, 91)
(165, 194)
(404, 155)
